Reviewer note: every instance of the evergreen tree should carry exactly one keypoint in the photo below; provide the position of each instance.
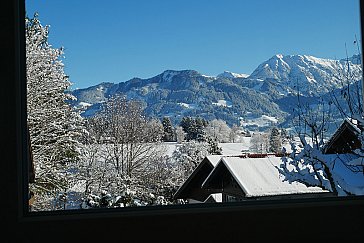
(284, 135)
(55, 128)
(194, 128)
(199, 132)
(168, 129)
(213, 146)
(275, 142)
(187, 126)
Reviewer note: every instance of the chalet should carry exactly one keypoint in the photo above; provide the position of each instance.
(191, 188)
(238, 178)
(345, 139)
(243, 178)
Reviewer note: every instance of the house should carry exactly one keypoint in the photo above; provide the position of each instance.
(345, 139)
(191, 188)
(246, 178)
(243, 177)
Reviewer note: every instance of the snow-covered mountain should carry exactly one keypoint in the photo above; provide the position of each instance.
(311, 75)
(269, 91)
(230, 75)
(183, 93)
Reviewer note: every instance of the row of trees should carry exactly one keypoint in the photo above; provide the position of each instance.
(269, 142)
(196, 128)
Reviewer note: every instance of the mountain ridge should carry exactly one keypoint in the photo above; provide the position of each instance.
(178, 93)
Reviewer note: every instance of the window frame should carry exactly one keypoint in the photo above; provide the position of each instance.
(320, 218)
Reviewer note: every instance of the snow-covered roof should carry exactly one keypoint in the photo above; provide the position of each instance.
(214, 159)
(260, 177)
(211, 159)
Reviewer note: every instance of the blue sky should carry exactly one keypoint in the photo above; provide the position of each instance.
(116, 40)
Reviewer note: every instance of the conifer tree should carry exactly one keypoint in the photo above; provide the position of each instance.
(55, 128)
(194, 128)
(187, 124)
(275, 142)
(169, 134)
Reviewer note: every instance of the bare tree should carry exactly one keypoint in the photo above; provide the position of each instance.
(259, 143)
(219, 130)
(134, 140)
(125, 158)
(234, 133)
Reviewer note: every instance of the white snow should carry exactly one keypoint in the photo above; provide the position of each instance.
(235, 148)
(170, 147)
(270, 118)
(188, 106)
(348, 180)
(228, 149)
(228, 74)
(208, 76)
(84, 104)
(217, 197)
(262, 121)
(223, 103)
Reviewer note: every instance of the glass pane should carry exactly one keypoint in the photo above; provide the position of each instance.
(142, 103)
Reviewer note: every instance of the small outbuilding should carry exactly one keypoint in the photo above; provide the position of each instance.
(345, 139)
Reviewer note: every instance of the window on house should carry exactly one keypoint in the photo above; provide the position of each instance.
(124, 107)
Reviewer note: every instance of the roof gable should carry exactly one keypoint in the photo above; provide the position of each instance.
(195, 180)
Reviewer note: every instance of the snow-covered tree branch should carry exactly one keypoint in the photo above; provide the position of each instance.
(310, 163)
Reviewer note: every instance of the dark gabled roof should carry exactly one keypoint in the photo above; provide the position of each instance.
(194, 181)
(345, 139)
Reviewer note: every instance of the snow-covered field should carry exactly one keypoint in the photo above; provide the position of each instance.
(227, 148)
(223, 103)
(263, 121)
